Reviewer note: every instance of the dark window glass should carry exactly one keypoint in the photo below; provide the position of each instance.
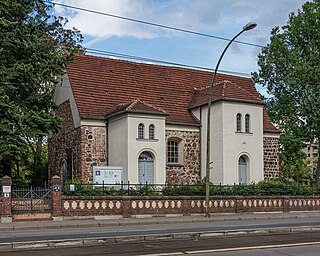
(247, 123)
(151, 132)
(173, 153)
(238, 122)
(141, 131)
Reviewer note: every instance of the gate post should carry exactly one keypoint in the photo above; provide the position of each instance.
(56, 197)
(6, 200)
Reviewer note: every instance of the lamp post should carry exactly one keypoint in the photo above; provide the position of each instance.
(247, 27)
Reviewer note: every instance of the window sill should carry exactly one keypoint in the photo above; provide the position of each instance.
(175, 165)
(149, 140)
(244, 133)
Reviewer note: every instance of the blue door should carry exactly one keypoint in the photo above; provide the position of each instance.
(146, 168)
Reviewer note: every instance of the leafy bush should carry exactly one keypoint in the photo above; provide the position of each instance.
(262, 188)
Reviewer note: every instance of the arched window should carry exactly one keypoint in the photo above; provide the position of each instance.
(242, 170)
(151, 132)
(239, 122)
(173, 152)
(247, 123)
(140, 131)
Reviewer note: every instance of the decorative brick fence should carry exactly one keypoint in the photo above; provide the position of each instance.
(128, 206)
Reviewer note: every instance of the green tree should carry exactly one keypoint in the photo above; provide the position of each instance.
(35, 47)
(289, 67)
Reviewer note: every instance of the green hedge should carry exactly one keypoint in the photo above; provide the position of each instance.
(263, 188)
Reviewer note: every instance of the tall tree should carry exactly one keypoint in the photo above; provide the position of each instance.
(289, 67)
(35, 47)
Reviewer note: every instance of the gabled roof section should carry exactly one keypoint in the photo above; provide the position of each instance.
(136, 106)
(104, 86)
(267, 124)
(225, 90)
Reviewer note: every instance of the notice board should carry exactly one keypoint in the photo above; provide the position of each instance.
(107, 175)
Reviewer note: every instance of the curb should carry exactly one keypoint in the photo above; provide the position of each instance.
(82, 242)
(151, 222)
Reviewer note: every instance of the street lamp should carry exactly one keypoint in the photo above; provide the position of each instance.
(247, 27)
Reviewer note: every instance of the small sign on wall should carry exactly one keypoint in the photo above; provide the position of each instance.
(6, 189)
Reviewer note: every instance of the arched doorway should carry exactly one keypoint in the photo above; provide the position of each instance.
(243, 170)
(146, 168)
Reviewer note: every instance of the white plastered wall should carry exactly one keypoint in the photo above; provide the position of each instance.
(63, 92)
(227, 145)
(117, 144)
(216, 142)
(125, 148)
(248, 144)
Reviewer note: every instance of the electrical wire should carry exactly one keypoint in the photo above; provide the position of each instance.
(126, 56)
(153, 24)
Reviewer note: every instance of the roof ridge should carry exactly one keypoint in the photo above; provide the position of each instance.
(136, 101)
(208, 87)
(246, 91)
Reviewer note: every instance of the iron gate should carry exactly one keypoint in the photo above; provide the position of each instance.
(31, 200)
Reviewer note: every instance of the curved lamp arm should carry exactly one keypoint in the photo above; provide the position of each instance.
(247, 27)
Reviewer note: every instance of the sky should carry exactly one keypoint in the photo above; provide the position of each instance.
(220, 18)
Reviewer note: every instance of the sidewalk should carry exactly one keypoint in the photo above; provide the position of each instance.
(97, 221)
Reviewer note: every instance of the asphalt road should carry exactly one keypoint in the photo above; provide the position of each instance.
(290, 244)
(56, 234)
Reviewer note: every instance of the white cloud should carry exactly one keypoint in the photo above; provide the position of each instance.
(103, 26)
(198, 15)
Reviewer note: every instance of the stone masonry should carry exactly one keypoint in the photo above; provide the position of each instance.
(188, 169)
(88, 146)
(93, 150)
(68, 137)
(271, 157)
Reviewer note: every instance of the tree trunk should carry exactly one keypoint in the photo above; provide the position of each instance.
(37, 175)
(6, 167)
(318, 168)
(318, 174)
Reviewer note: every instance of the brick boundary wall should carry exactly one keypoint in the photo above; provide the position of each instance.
(128, 206)
(157, 205)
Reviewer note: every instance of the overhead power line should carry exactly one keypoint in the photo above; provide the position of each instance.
(152, 24)
(139, 58)
(126, 56)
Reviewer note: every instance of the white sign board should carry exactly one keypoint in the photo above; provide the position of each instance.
(6, 189)
(107, 175)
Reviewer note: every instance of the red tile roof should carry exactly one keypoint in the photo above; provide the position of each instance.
(103, 85)
(267, 124)
(224, 90)
(136, 106)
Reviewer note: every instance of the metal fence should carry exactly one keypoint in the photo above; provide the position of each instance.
(31, 199)
(259, 189)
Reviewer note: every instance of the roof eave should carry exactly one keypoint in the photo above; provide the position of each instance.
(271, 131)
(181, 123)
(137, 112)
(231, 100)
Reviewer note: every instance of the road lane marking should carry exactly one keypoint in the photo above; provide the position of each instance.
(163, 254)
(252, 248)
(133, 230)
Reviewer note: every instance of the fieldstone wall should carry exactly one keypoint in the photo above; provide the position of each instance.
(93, 150)
(68, 137)
(88, 144)
(188, 169)
(271, 157)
